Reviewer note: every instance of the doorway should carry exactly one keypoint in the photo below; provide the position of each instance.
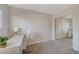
(64, 30)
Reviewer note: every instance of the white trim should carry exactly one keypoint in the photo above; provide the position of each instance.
(76, 49)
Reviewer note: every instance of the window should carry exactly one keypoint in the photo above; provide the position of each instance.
(1, 19)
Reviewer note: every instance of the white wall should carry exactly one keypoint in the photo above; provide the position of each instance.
(53, 28)
(76, 30)
(58, 28)
(38, 23)
(4, 31)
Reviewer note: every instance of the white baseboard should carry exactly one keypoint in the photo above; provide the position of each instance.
(38, 42)
(76, 49)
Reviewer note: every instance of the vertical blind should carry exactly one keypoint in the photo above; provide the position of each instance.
(1, 19)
